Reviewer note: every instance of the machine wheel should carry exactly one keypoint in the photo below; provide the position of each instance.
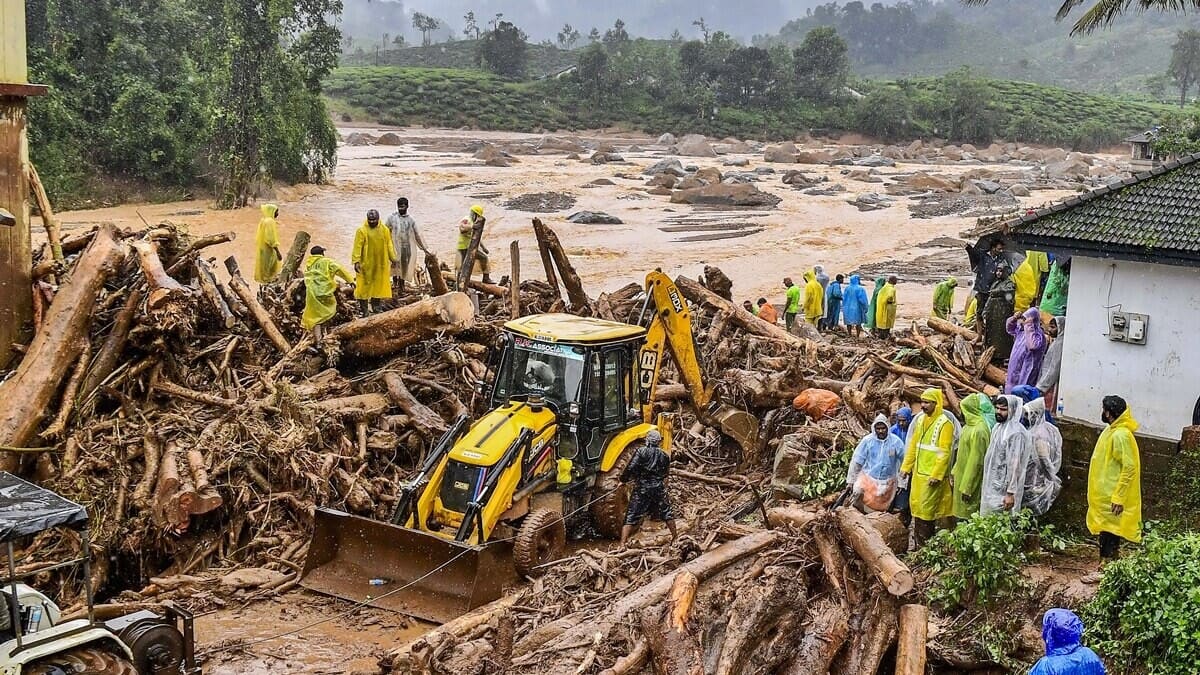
(542, 538)
(611, 497)
(81, 661)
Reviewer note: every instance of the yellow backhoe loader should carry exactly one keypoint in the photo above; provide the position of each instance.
(571, 399)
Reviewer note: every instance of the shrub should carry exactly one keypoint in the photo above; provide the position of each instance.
(885, 114)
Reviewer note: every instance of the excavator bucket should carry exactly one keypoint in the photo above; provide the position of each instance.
(737, 424)
(414, 573)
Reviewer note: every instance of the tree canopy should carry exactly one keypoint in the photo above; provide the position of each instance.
(502, 50)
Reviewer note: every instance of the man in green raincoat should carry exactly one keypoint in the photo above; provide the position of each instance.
(943, 298)
(879, 283)
(968, 462)
(320, 291)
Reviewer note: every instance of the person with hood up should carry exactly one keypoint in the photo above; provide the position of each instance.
(372, 256)
(1062, 631)
(833, 304)
(968, 460)
(814, 299)
(466, 230)
(821, 276)
(926, 463)
(791, 305)
(873, 306)
(875, 467)
(904, 417)
(989, 411)
(1007, 460)
(1042, 483)
(320, 291)
(899, 429)
(267, 258)
(885, 309)
(854, 306)
(1028, 279)
(1047, 381)
(943, 298)
(405, 238)
(1028, 350)
(1115, 480)
(1054, 298)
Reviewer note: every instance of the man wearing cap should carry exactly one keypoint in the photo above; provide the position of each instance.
(926, 462)
(647, 469)
(405, 237)
(373, 257)
(466, 229)
(320, 291)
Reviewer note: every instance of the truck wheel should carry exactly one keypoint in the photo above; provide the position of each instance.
(81, 661)
(611, 497)
(542, 538)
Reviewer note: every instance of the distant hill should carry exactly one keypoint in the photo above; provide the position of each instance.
(460, 54)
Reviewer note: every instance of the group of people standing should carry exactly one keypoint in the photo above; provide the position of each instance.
(826, 303)
(1004, 455)
(383, 257)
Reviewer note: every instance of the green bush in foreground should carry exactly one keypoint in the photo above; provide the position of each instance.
(1146, 616)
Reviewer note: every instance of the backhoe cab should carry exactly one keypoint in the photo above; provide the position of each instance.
(570, 400)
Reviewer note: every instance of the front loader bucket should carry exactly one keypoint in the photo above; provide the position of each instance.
(737, 424)
(422, 574)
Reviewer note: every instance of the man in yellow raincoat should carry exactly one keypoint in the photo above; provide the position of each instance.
(885, 309)
(927, 461)
(814, 299)
(267, 258)
(1115, 480)
(320, 289)
(372, 257)
(466, 229)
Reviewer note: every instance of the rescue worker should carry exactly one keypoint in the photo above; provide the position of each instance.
(1054, 298)
(1007, 459)
(320, 291)
(1042, 483)
(927, 463)
(814, 298)
(791, 306)
(903, 422)
(372, 257)
(466, 230)
(1115, 480)
(648, 469)
(1062, 632)
(899, 429)
(989, 268)
(749, 307)
(971, 315)
(267, 258)
(405, 237)
(873, 306)
(1047, 381)
(968, 459)
(821, 277)
(943, 298)
(1028, 349)
(854, 306)
(833, 303)
(996, 311)
(885, 309)
(767, 312)
(1028, 279)
(875, 467)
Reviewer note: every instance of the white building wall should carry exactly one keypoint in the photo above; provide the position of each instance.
(1160, 379)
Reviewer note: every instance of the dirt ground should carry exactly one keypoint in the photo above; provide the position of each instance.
(755, 248)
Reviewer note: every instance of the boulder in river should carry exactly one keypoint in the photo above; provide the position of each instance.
(594, 218)
(694, 145)
(359, 138)
(784, 153)
(390, 138)
(726, 194)
(671, 166)
(666, 139)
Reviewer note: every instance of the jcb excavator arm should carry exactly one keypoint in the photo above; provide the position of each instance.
(668, 325)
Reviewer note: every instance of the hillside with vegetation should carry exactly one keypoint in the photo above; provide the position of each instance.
(543, 59)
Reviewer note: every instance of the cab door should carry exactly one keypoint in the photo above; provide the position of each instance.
(609, 403)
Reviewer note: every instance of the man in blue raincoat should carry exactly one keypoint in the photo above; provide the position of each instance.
(1062, 632)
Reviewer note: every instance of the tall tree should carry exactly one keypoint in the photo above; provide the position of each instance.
(1185, 62)
(503, 50)
(616, 36)
(472, 28)
(426, 24)
(700, 23)
(594, 73)
(747, 77)
(567, 37)
(821, 64)
(594, 35)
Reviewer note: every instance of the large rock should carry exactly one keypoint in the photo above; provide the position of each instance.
(1067, 168)
(784, 153)
(671, 166)
(989, 187)
(875, 160)
(359, 138)
(799, 179)
(593, 218)
(667, 139)
(694, 145)
(709, 175)
(952, 153)
(725, 194)
(740, 177)
(814, 157)
(1018, 190)
(690, 183)
(667, 180)
(488, 152)
(557, 143)
(390, 139)
(923, 181)
(870, 201)
(736, 161)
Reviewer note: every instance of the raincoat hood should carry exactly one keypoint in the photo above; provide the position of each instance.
(879, 282)
(1060, 322)
(952, 282)
(808, 276)
(1035, 413)
(1034, 314)
(1013, 424)
(855, 280)
(904, 414)
(880, 419)
(972, 411)
(1026, 392)
(988, 410)
(1125, 420)
(269, 210)
(1062, 631)
(818, 269)
(939, 401)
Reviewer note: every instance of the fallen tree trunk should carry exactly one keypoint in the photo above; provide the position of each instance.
(67, 402)
(389, 332)
(192, 250)
(548, 266)
(53, 232)
(56, 346)
(870, 546)
(209, 288)
(697, 293)
(422, 417)
(260, 314)
(947, 328)
(910, 652)
(755, 612)
(674, 646)
(514, 281)
(467, 265)
(576, 297)
(357, 407)
(433, 268)
(295, 254)
(764, 389)
(163, 287)
(827, 631)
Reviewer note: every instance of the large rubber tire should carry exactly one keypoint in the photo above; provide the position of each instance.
(542, 538)
(81, 661)
(611, 497)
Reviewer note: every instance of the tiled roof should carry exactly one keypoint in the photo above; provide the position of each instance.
(1154, 215)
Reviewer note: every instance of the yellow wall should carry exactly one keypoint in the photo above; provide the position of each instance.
(12, 42)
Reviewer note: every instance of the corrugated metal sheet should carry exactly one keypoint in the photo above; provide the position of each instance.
(13, 68)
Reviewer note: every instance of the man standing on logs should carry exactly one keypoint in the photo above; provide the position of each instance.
(648, 470)
(466, 230)
(320, 291)
(874, 468)
(373, 257)
(405, 236)
(1007, 459)
(885, 310)
(927, 461)
(267, 258)
(792, 307)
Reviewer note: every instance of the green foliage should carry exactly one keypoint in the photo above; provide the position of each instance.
(821, 64)
(965, 112)
(502, 50)
(824, 477)
(1184, 68)
(886, 113)
(979, 562)
(1147, 610)
(595, 75)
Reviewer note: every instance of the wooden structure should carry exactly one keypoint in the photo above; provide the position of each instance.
(1141, 149)
(16, 261)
